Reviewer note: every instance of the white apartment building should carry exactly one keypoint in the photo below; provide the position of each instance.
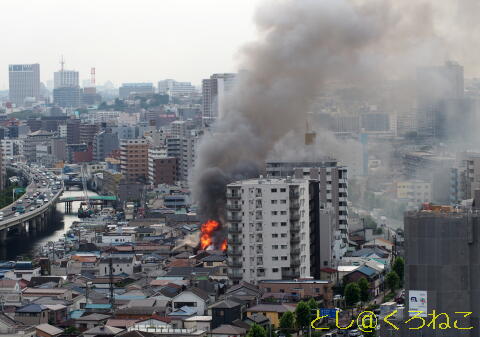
(415, 192)
(183, 148)
(276, 229)
(12, 148)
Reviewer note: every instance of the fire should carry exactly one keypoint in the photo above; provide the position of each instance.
(223, 247)
(207, 230)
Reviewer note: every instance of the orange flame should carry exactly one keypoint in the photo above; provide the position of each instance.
(207, 230)
(223, 247)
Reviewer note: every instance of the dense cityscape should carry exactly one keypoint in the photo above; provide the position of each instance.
(330, 186)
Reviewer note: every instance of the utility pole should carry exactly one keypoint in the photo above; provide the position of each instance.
(112, 298)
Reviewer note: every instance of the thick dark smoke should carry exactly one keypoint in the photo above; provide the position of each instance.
(303, 47)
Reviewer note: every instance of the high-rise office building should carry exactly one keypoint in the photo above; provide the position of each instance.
(65, 78)
(174, 88)
(278, 229)
(128, 89)
(442, 249)
(24, 82)
(214, 91)
(134, 159)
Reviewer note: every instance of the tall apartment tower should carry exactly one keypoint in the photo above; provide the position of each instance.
(134, 159)
(214, 90)
(442, 262)
(24, 82)
(333, 180)
(276, 228)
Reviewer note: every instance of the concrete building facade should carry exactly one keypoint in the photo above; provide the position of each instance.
(134, 159)
(214, 90)
(276, 228)
(24, 82)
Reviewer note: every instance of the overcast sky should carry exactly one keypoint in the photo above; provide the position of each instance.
(126, 41)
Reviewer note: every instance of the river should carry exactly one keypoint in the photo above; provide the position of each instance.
(27, 246)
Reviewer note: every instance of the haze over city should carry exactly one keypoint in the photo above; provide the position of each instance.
(151, 40)
(260, 168)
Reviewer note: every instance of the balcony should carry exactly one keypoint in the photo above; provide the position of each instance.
(259, 251)
(259, 240)
(295, 240)
(233, 195)
(233, 252)
(234, 207)
(294, 194)
(234, 229)
(234, 217)
(295, 216)
(235, 264)
(294, 204)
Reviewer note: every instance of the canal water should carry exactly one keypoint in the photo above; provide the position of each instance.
(27, 247)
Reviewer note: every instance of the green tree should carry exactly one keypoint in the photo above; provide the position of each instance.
(312, 304)
(256, 331)
(364, 289)
(287, 323)
(392, 280)
(399, 268)
(352, 294)
(302, 315)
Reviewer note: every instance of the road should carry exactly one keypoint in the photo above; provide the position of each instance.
(43, 185)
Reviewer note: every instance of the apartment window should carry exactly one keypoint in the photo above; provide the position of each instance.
(283, 224)
(274, 212)
(275, 270)
(283, 246)
(283, 212)
(284, 258)
(283, 201)
(273, 190)
(274, 224)
(283, 235)
(274, 235)
(283, 190)
(274, 202)
(274, 258)
(275, 247)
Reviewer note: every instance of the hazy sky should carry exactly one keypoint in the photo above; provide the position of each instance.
(126, 41)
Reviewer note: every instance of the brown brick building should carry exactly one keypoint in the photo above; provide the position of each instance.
(134, 159)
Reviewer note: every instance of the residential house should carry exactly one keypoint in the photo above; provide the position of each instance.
(299, 289)
(192, 297)
(225, 312)
(102, 330)
(374, 278)
(272, 311)
(90, 321)
(228, 331)
(47, 330)
(120, 265)
(198, 323)
(11, 327)
(32, 314)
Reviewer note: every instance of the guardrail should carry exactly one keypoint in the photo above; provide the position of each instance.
(31, 214)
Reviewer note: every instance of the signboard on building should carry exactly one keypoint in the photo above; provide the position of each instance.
(331, 313)
(417, 301)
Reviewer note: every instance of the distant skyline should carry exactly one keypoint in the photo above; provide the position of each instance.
(141, 41)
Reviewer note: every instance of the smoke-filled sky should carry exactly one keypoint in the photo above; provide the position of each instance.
(127, 41)
(302, 48)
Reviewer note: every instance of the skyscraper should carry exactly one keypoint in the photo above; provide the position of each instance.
(214, 90)
(24, 82)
